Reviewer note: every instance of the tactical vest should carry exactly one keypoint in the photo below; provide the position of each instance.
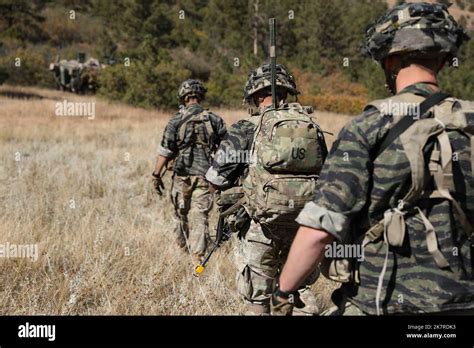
(427, 146)
(286, 157)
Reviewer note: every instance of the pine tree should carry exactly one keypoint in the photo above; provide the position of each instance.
(19, 19)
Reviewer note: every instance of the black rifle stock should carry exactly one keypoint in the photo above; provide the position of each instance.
(223, 233)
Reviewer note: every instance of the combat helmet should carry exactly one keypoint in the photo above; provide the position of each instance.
(260, 78)
(414, 31)
(191, 88)
(421, 30)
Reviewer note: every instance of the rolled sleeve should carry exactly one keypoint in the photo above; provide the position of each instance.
(163, 151)
(219, 126)
(321, 218)
(214, 178)
(168, 146)
(343, 188)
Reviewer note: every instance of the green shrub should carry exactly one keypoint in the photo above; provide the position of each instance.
(113, 82)
(226, 89)
(145, 84)
(3, 74)
(33, 68)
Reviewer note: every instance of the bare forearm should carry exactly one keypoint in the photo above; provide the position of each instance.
(306, 253)
(161, 161)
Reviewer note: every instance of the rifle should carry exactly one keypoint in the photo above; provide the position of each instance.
(273, 60)
(223, 231)
(223, 234)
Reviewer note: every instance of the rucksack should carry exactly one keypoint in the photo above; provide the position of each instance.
(428, 148)
(196, 129)
(286, 157)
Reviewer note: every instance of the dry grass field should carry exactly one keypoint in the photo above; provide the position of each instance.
(80, 189)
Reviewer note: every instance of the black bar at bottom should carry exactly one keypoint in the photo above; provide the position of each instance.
(100, 330)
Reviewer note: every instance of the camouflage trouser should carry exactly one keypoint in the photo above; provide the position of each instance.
(192, 191)
(261, 254)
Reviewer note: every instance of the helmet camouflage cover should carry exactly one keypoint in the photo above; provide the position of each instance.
(191, 88)
(420, 30)
(262, 78)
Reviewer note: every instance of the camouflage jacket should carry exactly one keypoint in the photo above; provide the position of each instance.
(232, 158)
(195, 159)
(352, 196)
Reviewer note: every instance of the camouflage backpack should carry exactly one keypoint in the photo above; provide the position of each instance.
(195, 129)
(286, 158)
(428, 148)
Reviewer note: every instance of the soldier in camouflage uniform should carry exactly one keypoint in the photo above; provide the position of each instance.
(190, 139)
(262, 248)
(358, 191)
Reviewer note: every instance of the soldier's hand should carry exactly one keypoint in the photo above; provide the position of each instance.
(158, 183)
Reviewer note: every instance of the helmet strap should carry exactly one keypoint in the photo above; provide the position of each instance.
(391, 81)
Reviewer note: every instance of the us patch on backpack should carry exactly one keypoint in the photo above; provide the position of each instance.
(287, 155)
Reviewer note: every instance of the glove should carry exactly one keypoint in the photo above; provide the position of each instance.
(158, 183)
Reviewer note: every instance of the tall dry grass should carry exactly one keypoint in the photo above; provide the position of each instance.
(81, 190)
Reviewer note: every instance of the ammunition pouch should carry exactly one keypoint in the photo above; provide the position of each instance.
(338, 270)
(344, 270)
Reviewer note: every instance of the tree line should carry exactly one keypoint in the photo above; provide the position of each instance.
(152, 45)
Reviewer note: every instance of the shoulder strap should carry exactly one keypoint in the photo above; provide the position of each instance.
(406, 122)
(184, 121)
(209, 126)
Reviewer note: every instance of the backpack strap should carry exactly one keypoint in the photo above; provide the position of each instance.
(406, 122)
(182, 125)
(441, 169)
(208, 124)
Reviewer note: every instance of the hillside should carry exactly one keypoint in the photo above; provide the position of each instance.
(153, 45)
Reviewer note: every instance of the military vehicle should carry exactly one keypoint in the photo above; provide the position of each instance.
(78, 75)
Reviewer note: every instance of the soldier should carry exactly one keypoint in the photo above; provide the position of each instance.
(190, 139)
(265, 237)
(397, 185)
